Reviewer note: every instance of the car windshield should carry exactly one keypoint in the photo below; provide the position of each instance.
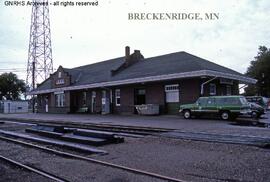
(243, 100)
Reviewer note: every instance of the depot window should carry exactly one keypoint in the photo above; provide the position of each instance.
(212, 89)
(117, 97)
(84, 98)
(60, 81)
(60, 100)
(228, 90)
(172, 93)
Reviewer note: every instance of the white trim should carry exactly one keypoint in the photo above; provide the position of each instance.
(111, 96)
(59, 92)
(172, 88)
(172, 85)
(240, 78)
(191, 74)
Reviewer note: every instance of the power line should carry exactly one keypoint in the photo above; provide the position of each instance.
(13, 71)
(19, 69)
(9, 62)
(11, 68)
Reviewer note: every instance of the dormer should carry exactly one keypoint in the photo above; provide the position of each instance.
(60, 78)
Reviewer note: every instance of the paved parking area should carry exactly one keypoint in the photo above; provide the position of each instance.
(163, 121)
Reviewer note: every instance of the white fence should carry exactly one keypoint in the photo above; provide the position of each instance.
(148, 109)
(13, 107)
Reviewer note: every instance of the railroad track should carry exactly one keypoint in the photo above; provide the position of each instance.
(102, 127)
(31, 169)
(79, 157)
(258, 141)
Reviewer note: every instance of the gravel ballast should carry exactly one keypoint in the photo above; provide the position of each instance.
(67, 168)
(15, 174)
(182, 159)
(193, 160)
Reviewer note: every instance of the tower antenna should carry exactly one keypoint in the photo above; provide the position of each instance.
(40, 63)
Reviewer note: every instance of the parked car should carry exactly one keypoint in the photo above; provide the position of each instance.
(262, 101)
(256, 110)
(226, 107)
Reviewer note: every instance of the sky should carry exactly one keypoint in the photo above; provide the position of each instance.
(85, 35)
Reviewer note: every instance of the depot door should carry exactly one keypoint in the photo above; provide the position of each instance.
(93, 102)
(172, 98)
(139, 96)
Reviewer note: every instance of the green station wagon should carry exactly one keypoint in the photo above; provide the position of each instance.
(227, 107)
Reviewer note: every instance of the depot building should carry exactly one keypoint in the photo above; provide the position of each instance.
(118, 85)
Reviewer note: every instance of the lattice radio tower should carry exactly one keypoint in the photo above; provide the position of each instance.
(40, 63)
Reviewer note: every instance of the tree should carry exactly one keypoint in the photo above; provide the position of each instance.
(260, 69)
(11, 87)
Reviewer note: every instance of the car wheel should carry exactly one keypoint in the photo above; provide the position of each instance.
(187, 114)
(225, 115)
(254, 115)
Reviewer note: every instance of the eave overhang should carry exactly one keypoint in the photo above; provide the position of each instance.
(192, 74)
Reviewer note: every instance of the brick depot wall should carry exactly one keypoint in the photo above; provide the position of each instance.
(188, 93)
(221, 88)
(155, 94)
(51, 104)
(41, 107)
(126, 100)
(189, 90)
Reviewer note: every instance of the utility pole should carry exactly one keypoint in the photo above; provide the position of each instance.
(40, 63)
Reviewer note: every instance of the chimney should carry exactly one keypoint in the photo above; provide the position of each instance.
(137, 55)
(127, 50)
(137, 51)
(129, 60)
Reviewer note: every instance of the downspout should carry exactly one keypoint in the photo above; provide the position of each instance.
(245, 85)
(202, 85)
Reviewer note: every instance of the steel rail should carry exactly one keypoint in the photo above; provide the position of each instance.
(96, 126)
(104, 163)
(29, 168)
